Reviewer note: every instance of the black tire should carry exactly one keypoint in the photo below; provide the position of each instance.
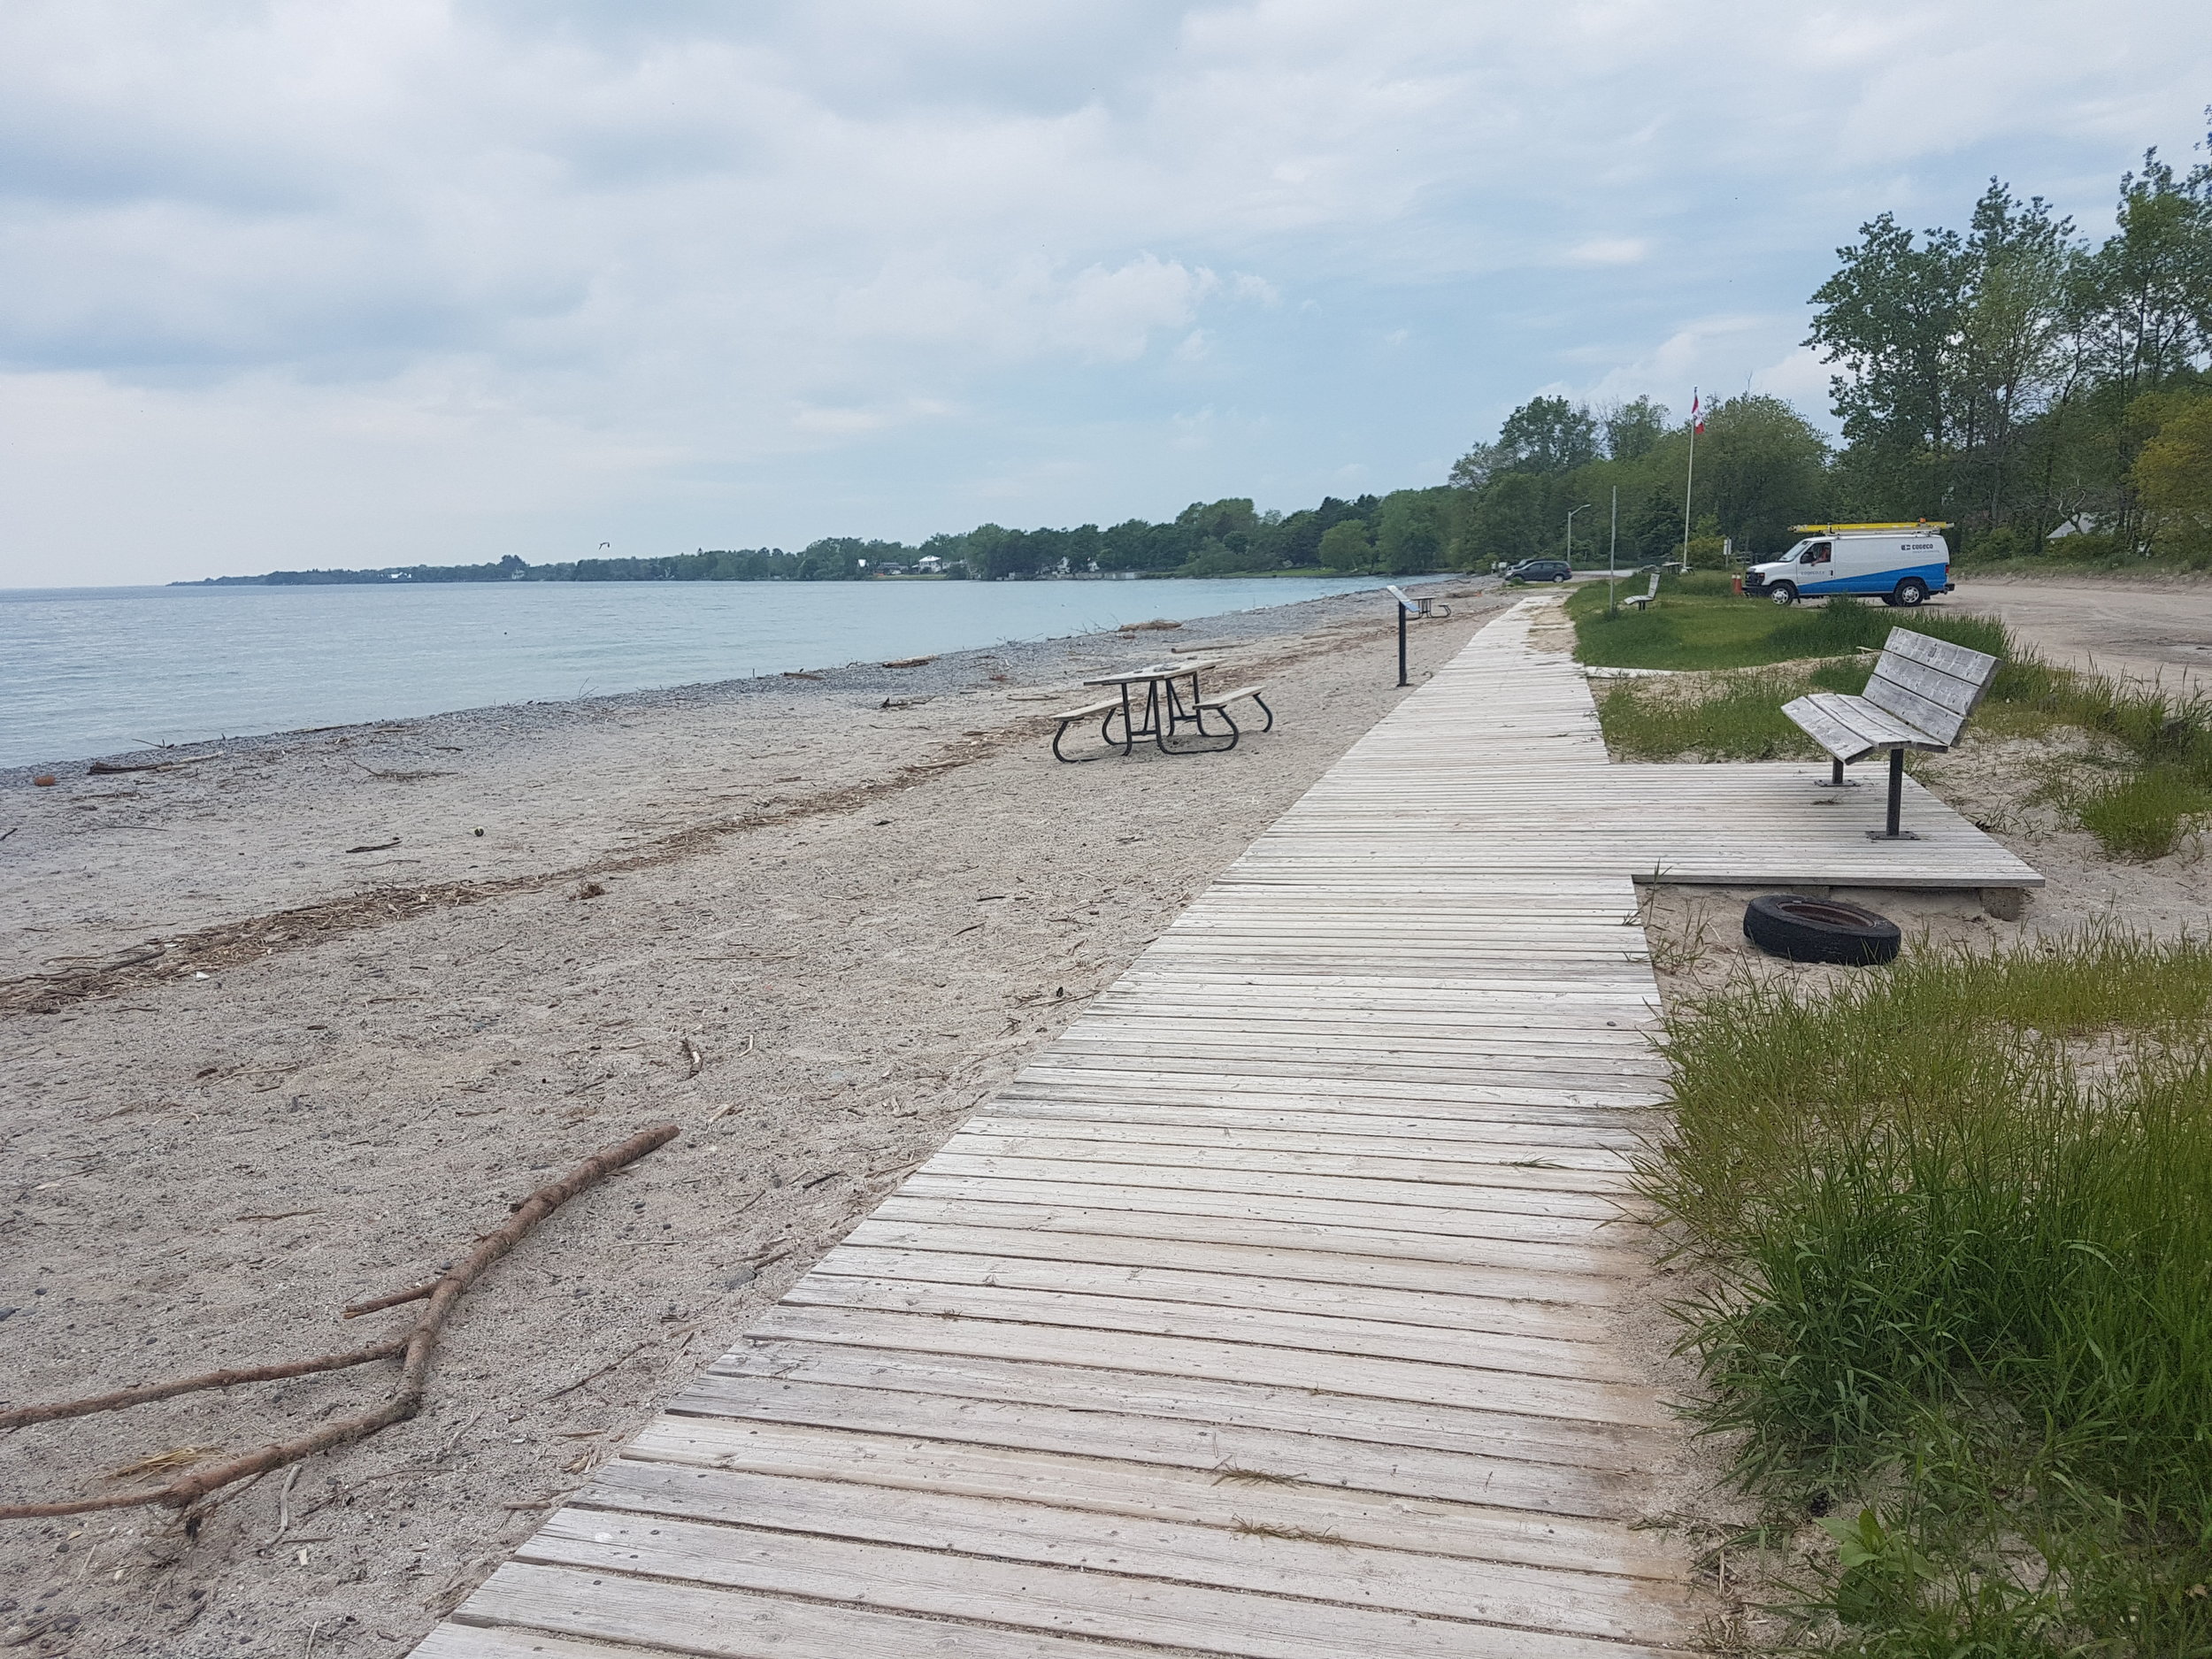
(1820, 930)
(1783, 593)
(1912, 591)
(1889, 600)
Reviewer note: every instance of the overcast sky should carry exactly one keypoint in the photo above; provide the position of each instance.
(378, 281)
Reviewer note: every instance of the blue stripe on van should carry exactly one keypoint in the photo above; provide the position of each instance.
(1881, 581)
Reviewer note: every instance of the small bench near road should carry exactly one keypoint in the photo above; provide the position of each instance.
(1921, 693)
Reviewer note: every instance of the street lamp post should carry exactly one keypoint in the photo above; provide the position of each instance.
(1570, 532)
(1612, 555)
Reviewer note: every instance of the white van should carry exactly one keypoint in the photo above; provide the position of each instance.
(1901, 563)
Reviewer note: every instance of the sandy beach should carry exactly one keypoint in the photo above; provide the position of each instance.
(286, 1031)
(255, 1077)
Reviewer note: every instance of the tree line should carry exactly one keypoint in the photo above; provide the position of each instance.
(2036, 388)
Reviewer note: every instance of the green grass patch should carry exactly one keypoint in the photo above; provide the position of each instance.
(1732, 717)
(2142, 814)
(1697, 622)
(1957, 1215)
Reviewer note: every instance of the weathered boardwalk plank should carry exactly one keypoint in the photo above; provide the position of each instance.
(1273, 1311)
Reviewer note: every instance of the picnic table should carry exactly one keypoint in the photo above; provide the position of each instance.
(1152, 702)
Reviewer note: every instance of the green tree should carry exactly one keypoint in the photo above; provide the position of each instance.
(986, 550)
(1411, 530)
(1653, 529)
(1633, 429)
(2015, 356)
(1296, 542)
(1548, 434)
(1544, 435)
(2146, 295)
(1511, 520)
(1345, 546)
(2172, 473)
(1890, 319)
(1766, 467)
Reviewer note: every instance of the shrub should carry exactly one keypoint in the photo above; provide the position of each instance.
(2005, 541)
(1957, 1216)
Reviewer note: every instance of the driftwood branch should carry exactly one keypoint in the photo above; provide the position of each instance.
(377, 1304)
(151, 1392)
(103, 768)
(416, 1347)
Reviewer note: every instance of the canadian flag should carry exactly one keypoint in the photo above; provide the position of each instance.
(1697, 412)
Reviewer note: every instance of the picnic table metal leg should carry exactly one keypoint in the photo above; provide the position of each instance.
(1105, 736)
(1197, 715)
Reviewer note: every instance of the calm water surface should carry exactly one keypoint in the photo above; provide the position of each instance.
(86, 672)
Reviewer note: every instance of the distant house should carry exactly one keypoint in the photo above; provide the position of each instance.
(930, 564)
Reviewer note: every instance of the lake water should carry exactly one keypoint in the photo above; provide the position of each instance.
(88, 672)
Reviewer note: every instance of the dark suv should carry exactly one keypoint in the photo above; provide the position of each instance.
(1540, 571)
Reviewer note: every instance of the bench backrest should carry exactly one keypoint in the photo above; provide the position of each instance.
(1652, 592)
(1930, 684)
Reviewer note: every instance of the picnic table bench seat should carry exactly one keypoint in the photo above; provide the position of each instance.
(1217, 703)
(1918, 697)
(1102, 710)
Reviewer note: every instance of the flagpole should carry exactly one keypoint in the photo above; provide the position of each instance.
(1689, 480)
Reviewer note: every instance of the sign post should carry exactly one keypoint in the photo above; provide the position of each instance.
(1407, 607)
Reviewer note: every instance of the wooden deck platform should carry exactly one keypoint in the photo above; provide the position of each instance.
(1772, 824)
(1274, 1311)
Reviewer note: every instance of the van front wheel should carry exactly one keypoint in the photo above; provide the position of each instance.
(1912, 591)
(1783, 594)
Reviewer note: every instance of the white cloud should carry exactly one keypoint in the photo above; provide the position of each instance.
(1802, 377)
(485, 277)
(1611, 250)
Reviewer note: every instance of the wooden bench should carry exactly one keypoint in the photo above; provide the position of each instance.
(1103, 711)
(1922, 691)
(1649, 594)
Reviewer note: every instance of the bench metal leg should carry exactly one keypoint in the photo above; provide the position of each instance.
(1896, 803)
(1105, 736)
(1218, 746)
(1836, 779)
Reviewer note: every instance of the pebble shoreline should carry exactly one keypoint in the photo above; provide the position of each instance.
(1066, 660)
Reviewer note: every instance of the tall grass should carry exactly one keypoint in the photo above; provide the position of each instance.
(1958, 1215)
(1736, 718)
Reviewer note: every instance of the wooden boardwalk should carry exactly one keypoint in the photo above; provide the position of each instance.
(1273, 1311)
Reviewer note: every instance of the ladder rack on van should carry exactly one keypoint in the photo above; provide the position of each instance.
(1842, 529)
